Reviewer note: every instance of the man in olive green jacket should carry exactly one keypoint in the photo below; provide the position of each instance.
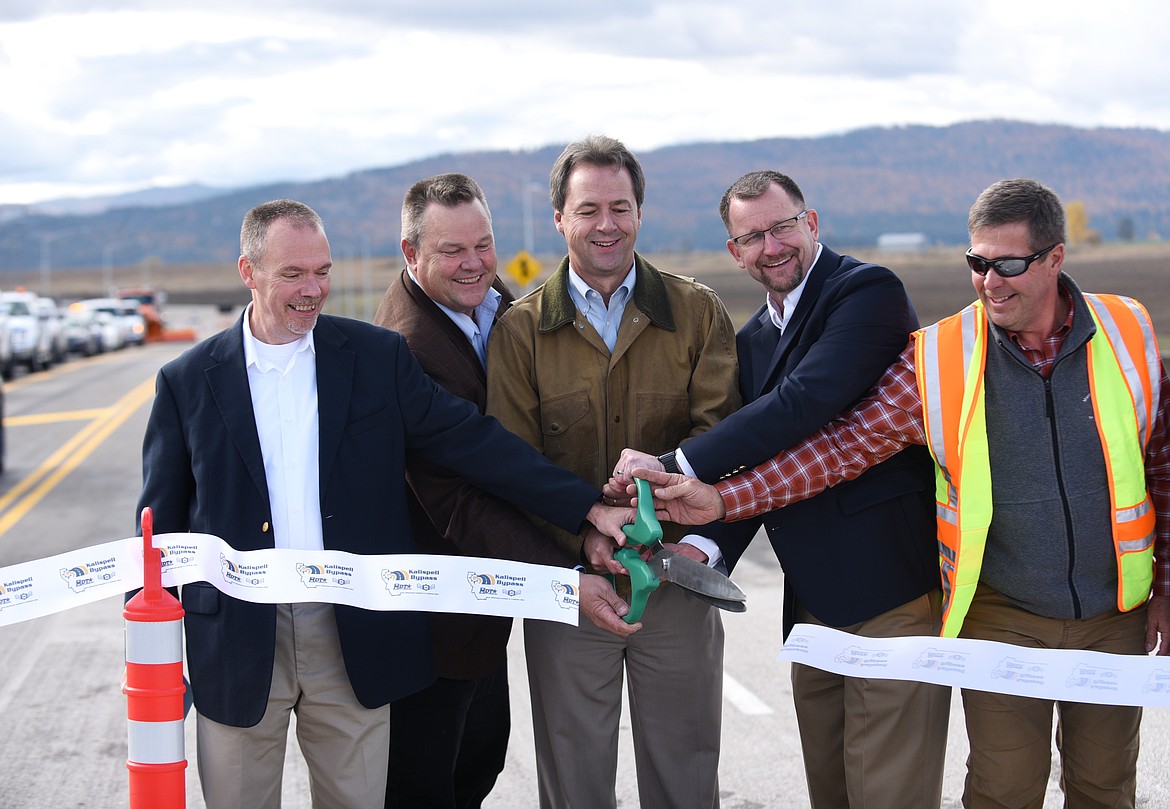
(612, 353)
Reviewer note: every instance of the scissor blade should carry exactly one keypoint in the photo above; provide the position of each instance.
(721, 603)
(705, 583)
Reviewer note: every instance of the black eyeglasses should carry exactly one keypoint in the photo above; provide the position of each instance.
(1008, 267)
(778, 231)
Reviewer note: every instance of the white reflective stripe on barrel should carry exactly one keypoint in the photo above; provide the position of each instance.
(155, 742)
(154, 642)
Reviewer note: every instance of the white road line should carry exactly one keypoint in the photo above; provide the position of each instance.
(745, 701)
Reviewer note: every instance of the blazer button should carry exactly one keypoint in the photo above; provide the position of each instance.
(264, 528)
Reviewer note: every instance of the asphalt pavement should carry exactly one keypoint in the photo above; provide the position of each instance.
(74, 437)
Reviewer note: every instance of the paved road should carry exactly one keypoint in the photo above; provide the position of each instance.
(72, 480)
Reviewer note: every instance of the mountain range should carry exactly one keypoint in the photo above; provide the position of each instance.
(863, 183)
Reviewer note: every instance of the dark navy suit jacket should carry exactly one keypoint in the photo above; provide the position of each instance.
(203, 472)
(865, 546)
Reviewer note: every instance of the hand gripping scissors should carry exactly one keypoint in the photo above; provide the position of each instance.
(704, 583)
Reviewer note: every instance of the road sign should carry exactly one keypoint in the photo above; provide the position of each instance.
(524, 268)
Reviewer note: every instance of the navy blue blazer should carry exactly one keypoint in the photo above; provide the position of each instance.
(203, 472)
(865, 546)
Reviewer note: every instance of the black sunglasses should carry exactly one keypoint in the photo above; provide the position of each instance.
(1008, 267)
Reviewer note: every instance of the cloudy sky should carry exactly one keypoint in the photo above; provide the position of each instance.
(104, 96)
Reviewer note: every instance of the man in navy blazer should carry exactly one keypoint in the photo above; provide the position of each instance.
(861, 556)
(291, 429)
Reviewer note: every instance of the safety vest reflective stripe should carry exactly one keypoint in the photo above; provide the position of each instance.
(154, 742)
(962, 523)
(1126, 395)
(949, 361)
(1142, 379)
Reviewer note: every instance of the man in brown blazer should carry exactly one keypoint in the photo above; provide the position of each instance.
(448, 742)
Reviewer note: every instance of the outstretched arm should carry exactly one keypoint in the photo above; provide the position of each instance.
(681, 499)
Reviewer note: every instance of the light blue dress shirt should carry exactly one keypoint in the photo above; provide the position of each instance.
(604, 319)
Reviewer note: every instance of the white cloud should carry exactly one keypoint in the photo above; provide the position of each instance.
(104, 94)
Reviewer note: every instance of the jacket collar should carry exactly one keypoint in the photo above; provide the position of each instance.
(556, 304)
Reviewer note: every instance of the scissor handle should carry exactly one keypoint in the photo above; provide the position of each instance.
(643, 582)
(646, 530)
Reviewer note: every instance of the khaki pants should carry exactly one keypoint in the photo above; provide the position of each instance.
(675, 670)
(873, 743)
(345, 745)
(1011, 737)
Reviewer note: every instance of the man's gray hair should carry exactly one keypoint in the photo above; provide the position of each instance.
(254, 231)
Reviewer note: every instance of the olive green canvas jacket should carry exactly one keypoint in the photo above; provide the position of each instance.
(673, 373)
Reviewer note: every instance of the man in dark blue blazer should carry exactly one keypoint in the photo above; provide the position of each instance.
(861, 556)
(291, 429)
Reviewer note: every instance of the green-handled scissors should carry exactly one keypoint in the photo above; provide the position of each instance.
(696, 578)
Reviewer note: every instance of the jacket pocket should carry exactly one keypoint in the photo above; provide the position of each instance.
(898, 476)
(200, 598)
(559, 414)
(368, 422)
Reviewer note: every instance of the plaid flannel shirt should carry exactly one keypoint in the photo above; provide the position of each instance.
(890, 419)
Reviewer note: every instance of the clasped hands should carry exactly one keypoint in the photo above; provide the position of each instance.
(682, 499)
(677, 498)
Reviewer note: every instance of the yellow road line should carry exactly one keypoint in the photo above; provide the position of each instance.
(15, 503)
(53, 418)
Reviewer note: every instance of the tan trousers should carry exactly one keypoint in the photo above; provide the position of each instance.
(345, 745)
(873, 743)
(675, 670)
(1011, 737)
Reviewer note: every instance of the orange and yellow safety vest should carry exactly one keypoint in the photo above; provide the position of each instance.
(1123, 365)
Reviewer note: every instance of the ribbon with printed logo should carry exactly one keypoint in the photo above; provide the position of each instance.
(1066, 675)
(414, 582)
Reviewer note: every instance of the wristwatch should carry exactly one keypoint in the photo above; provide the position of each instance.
(669, 463)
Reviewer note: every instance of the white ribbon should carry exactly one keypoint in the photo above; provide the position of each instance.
(1066, 675)
(415, 582)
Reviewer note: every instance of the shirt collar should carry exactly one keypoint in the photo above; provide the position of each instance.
(485, 313)
(792, 298)
(583, 289)
(253, 347)
(1061, 331)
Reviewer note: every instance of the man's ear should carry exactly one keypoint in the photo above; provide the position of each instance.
(246, 272)
(733, 248)
(410, 254)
